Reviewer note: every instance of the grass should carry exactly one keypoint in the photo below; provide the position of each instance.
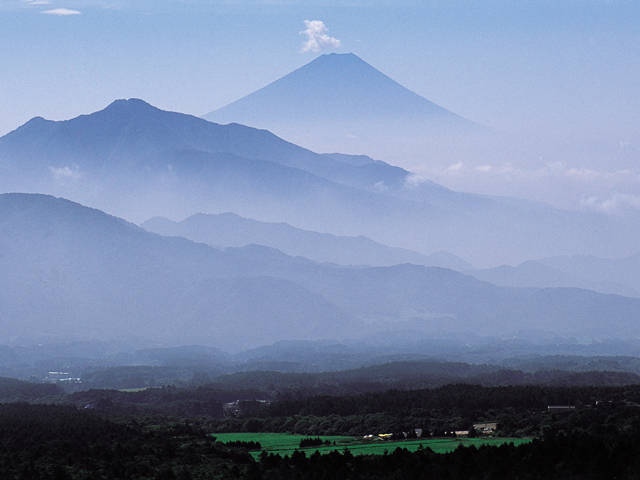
(286, 444)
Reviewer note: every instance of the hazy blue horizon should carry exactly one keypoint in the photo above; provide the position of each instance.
(561, 80)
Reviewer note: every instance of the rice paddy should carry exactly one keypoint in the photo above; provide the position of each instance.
(286, 444)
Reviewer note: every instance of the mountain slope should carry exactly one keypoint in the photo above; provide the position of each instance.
(339, 102)
(230, 230)
(133, 136)
(334, 87)
(72, 272)
(607, 275)
(138, 162)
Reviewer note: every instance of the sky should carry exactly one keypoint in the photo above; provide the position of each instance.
(567, 71)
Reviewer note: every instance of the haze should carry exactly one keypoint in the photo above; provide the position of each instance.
(559, 79)
(236, 174)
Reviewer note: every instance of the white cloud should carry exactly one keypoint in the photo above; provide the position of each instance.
(615, 203)
(455, 167)
(37, 2)
(546, 170)
(65, 173)
(61, 12)
(413, 180)
(317, 37)
(380, 186)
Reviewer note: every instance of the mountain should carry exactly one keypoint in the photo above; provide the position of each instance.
(339, 88)
(339, 102)
(131, 147)
(618, 276)
(133, 136)
(622, 272)
(138, 162)
(231, 230)
(71, 272)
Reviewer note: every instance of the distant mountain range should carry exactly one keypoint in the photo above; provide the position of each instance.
(138, 162)
(619, 275)
(72, 272)
(231, 230)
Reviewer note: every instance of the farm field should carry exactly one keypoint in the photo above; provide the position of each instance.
(286, 444)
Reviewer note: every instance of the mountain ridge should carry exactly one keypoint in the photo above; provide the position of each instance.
(231, 230)
(72, 272)
(138, 161)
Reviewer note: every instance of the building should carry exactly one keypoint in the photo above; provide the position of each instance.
(486, 428)
(561, 408)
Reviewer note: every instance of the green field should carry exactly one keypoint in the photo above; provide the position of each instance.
(286, 444)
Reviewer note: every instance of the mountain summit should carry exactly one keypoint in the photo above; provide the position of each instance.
(333, 87)
(339, 102)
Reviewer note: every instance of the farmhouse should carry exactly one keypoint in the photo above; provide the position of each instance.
(486, 428)
(561, 408)
(244, 407)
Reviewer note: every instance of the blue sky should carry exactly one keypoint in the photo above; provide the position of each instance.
(569, 68)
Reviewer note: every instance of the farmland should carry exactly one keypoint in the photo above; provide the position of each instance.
(286, 444)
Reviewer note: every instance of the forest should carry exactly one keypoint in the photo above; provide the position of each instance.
(171, 434)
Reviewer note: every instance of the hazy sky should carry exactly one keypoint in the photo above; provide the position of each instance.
(564, 68)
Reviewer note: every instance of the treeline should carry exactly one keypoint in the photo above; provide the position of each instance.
(461, 399)
(407, 375)
(454, 398)
(168, 400)
(411, 376)
(519, 411)
(559, 456)
(13, 390)
(312, 442)
(250, 445)
(64, 443)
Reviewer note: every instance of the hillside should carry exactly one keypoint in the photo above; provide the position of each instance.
(77, 273)
(138, 162)
(230, 230)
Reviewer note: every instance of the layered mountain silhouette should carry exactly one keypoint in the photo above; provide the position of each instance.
(76, 273)
(618, 275)
(231, 230)
(73, 272)
(138, 162)
(339, 102)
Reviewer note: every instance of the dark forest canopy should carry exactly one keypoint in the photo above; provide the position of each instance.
(63, 442)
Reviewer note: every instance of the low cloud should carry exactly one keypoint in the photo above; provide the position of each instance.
(455, 167)
(616, 203)
(606, 191)
(62, 12)
(413, 180)
(546, 170)
(317, 38)
(380, 186)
